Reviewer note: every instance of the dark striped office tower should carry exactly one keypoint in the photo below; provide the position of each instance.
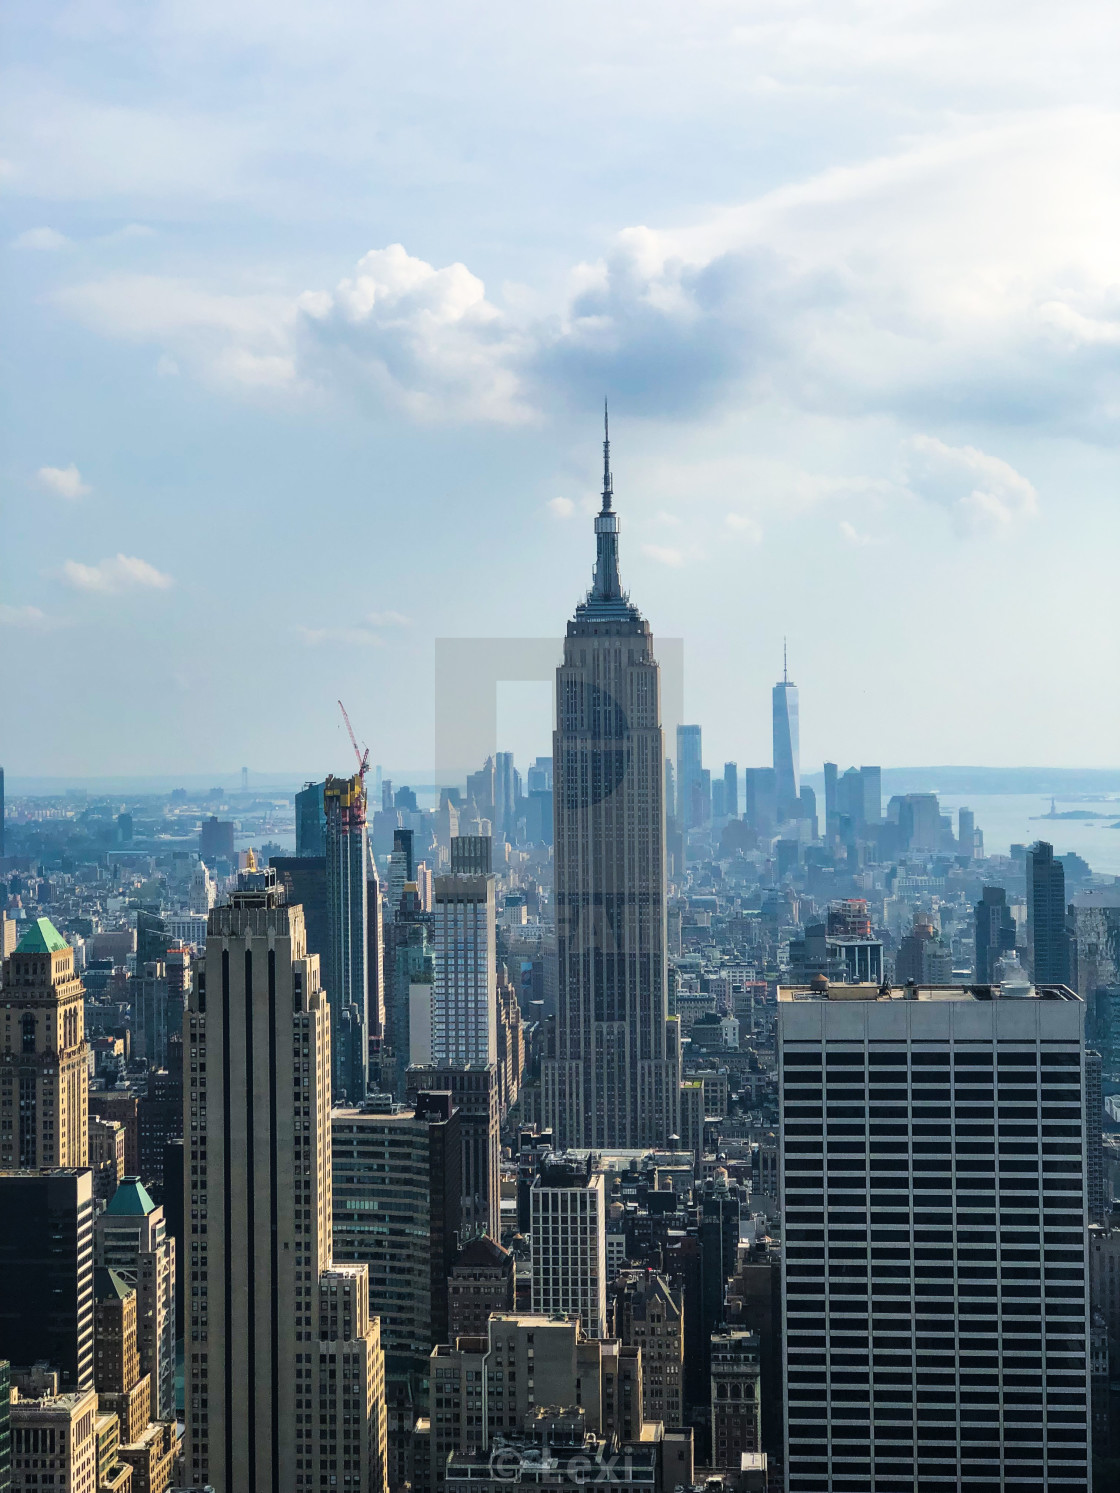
(613, 1080)
(273, 1327)
(933, 1179)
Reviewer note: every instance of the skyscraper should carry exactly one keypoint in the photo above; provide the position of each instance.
(44, 1075)
(935, 1311)
(131, 1238)
(567, 1204)
(474, 1093)
(3, 852)
(46, 1272)
(276, 1330)
(613, 1077)
(310, 819)
(995, 932)
(346, 846)
(872, 794)
(690, 770)
(787, 745)
(731, 790)
(464, 984)
(1048, 940)
(831, 804)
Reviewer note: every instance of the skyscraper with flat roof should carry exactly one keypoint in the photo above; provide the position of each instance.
(731, 790)
(277, 1329)
(787, 745)
(613, 1077)
(567, 1207)
(310, 819)
(690, 775)
(464, 1000)
(935, 1304)
(46, 1272)
(994, 932)
(1048, 939)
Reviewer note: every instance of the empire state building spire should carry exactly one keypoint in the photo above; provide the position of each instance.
(606, 587)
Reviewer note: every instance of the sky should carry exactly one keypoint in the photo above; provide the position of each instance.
(309, 312)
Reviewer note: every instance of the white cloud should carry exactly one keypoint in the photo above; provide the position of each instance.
(118, 573)
(851, 535)
(26, 618)
(561, 507)
(983, 493)
(742, 523)
(64, 482)
(315, 637)
(244, 341)
(388, 619)
(423, 338)
(166, 366)
(47, 240)
(970, 272)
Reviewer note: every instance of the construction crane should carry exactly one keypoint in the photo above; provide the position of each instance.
(363, 758)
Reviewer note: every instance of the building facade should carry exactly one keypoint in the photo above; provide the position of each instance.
(474, 1092)
(935, 1311)
(736, 1411)
(464, 983)
(1048, 941)
(44, 1067)
(612, 1080)
(46, 1272)
(567, 1209)
(346, 843)
(649, 1314)
(55, 1437)
(131, 1238)
(274, 1330)
(396, 1210)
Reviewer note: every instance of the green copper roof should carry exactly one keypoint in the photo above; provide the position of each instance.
(130, 1199)
(107, 1285)
(42, 938)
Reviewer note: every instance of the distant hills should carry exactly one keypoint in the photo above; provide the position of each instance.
(1058, 782)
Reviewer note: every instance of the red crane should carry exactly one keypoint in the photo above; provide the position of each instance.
(363, 759)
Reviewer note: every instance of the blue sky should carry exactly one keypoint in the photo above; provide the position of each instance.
(310, 310)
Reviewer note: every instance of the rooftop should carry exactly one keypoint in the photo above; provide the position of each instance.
(42, 937)
(131, 1200)
(826, 991)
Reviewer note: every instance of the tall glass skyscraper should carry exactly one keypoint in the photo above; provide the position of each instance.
(613, 1078)
(690, 768)
(346, 845)
(787, 746)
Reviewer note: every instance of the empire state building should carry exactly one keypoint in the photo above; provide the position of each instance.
(613, 1078)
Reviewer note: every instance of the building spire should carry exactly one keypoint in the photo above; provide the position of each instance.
(606, 585)
(785, 662)
(608, 483)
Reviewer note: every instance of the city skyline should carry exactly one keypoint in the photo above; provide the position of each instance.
(194, 348)
(667, 1077)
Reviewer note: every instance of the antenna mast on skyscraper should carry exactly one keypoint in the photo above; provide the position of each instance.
(608, 485)
(785, 662)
